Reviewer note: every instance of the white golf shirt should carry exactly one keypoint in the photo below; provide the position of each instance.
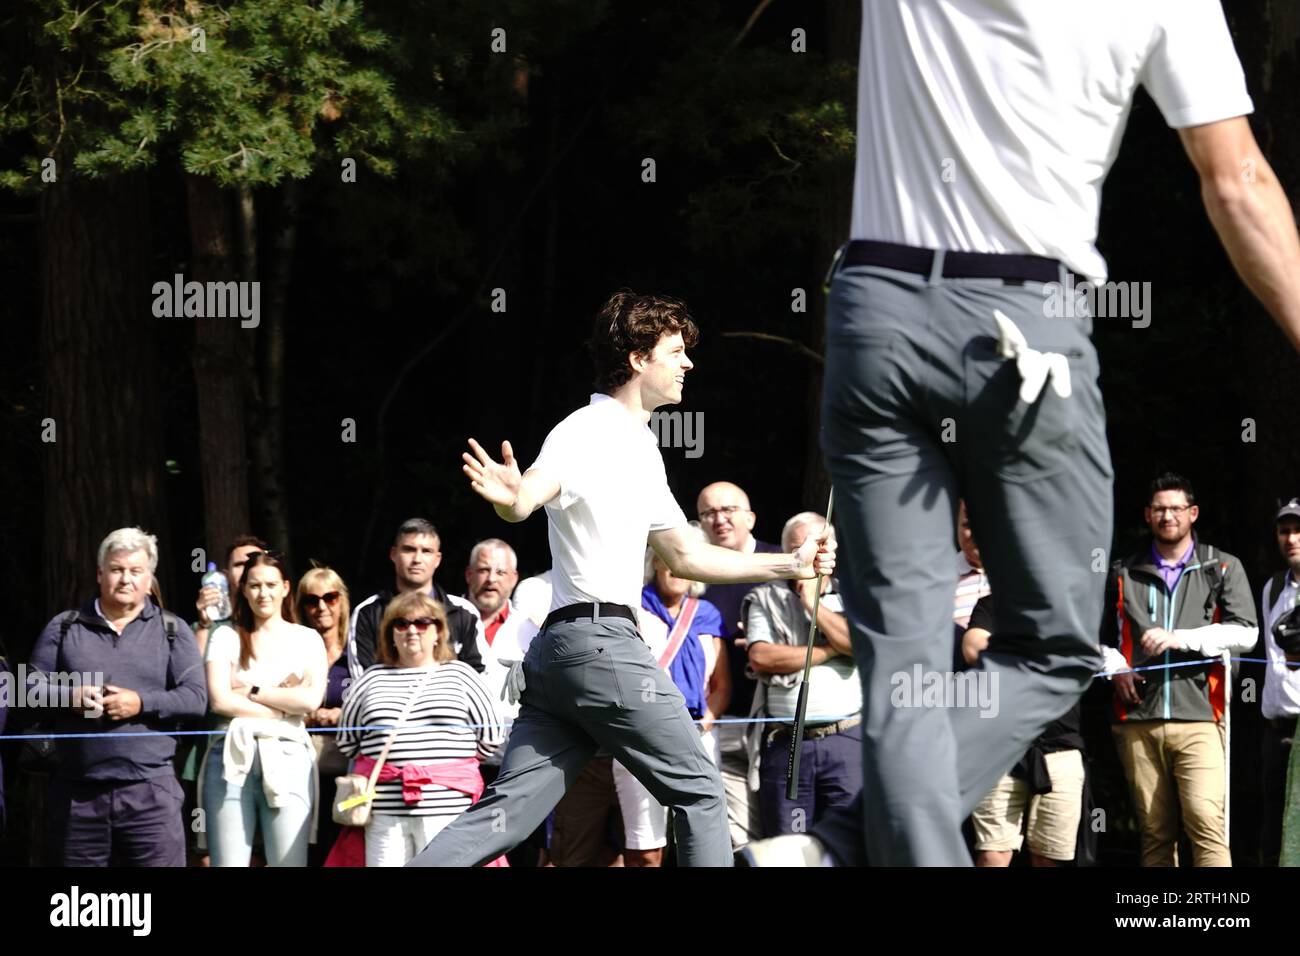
(613, 493)
(989, 125)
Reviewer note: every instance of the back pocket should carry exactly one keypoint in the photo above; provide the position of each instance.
(1000, 432)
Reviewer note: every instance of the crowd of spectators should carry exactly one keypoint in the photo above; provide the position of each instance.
(410, 690)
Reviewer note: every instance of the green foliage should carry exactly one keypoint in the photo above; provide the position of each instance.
(247, 93)
(770, 128)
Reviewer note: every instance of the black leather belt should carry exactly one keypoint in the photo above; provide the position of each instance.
(956, 265)
(816, 731)
(589, 611)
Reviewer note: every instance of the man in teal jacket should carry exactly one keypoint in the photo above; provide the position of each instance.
(1171, 609)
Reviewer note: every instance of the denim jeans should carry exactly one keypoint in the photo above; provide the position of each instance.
(233, 814)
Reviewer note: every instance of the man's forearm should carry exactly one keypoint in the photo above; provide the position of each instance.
(1258, 231)
(1213, 639)
(714, 565)
(189, 699)
(516, 511)
(769, 658)
(835, 627)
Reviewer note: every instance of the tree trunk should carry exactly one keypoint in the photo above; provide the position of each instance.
(220, 345)
(103, 468)
(842, 23)
(266, 367)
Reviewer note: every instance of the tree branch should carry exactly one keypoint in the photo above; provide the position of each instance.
(749, 24)
(799, 347)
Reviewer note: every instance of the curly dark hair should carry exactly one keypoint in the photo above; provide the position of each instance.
(630, 324)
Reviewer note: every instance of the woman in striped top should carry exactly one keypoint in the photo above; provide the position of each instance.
(431, 774)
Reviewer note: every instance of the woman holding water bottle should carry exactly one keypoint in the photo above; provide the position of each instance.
(210, 599)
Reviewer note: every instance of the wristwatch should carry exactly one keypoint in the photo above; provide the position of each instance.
(252, 691)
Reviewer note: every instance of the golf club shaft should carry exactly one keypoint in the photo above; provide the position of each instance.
(801, 708)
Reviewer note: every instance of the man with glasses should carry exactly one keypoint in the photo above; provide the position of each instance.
(416, 554)
(1171, 611)
(728, 520)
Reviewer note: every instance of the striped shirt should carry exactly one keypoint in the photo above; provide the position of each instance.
(971, 586)
(436, 729)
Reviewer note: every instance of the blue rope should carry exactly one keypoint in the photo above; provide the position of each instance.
(717, 721)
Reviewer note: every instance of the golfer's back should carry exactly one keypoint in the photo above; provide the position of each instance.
(989, 125)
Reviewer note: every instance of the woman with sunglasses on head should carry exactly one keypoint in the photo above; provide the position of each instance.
(323, 605)
(431, 772)
(266, 674)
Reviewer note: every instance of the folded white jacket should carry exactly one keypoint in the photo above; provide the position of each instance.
(282, 748)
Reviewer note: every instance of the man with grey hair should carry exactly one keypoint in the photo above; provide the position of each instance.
(114, 797)
(777, 618)
(490, 579)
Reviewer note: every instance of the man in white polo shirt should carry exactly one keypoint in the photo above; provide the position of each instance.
(589, 680)
(985, 130)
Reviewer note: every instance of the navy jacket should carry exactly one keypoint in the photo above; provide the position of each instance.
(166, 673)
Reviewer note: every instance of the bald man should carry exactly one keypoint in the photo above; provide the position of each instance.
(728, 520)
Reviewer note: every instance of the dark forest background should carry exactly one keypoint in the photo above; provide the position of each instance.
(518, 169)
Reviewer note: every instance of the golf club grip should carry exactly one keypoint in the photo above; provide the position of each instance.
(796, 738)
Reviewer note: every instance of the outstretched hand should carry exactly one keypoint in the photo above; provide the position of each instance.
(816, 556)
(496, 482)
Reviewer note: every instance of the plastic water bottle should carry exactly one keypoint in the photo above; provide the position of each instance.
(221, 610)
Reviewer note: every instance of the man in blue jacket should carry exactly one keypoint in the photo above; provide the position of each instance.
(121, 668)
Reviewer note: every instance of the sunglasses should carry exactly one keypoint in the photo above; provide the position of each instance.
(254, 555)
(329, 597)
(419, 625)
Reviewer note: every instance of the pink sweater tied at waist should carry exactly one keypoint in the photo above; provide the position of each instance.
(462, 775)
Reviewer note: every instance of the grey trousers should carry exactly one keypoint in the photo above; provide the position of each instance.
(918, 410)
(742, 803)
(593, 684)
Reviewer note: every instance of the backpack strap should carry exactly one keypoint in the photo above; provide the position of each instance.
(64, 626)
(1274, 588)
(1217, 570)
(169, 623)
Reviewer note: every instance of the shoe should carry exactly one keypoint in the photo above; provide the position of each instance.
(794, 850)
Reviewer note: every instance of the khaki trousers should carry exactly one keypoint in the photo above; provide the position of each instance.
(1176, 767)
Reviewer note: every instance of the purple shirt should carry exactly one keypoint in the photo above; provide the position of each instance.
(1169, 571)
